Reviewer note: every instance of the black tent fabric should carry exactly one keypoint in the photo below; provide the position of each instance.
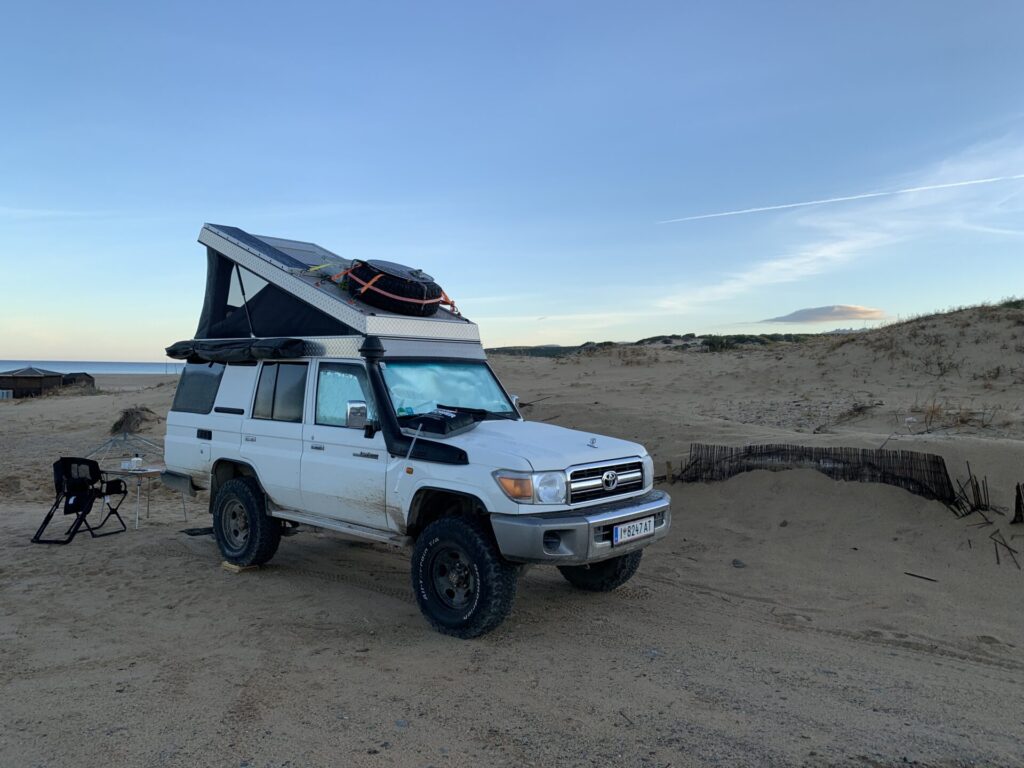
(218, 285)
(271, 311)
(235, 350)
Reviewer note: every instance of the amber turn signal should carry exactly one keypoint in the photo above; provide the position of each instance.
(516, 487)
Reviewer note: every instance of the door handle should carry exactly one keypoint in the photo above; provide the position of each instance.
(250, 439)
(316, 447)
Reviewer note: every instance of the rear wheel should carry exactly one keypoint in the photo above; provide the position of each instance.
(463, 585)
(245, 533)
(605, 575)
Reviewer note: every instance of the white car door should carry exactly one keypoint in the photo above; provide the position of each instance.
(272, 433)
(343, 471)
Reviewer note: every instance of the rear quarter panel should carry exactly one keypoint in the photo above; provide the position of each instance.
(188, 453)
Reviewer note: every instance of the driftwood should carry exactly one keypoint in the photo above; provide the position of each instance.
(923, 474)
(973, 496)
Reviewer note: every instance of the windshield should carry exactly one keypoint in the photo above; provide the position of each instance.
(420, 387)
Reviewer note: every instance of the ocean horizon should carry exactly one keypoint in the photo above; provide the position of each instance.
(93, 366)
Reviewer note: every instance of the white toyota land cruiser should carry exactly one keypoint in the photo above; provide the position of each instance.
(305, 402)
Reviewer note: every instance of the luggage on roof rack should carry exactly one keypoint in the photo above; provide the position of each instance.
(395, 287)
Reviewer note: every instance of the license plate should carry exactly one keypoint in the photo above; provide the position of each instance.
(634, 529)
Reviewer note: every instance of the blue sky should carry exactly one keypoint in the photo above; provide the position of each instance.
(527, 154)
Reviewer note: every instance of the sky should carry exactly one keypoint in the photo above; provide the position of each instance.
(553, 164)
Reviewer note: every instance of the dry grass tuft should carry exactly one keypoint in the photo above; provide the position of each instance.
(637, 356)
(133, 419)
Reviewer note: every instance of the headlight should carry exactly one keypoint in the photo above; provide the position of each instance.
(532, 488)
(649, 472)
(549, 487)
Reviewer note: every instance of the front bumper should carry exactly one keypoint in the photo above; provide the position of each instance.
(579, 536)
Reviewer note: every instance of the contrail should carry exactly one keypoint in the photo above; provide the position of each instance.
(828, 200)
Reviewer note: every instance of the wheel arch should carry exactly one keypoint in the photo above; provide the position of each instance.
(431, 503)
(228, 469)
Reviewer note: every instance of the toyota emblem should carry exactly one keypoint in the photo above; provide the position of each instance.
(610, 480)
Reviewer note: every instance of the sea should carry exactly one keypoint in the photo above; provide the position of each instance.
(92, 366)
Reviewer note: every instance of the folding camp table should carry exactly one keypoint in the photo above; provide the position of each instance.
(148, 473)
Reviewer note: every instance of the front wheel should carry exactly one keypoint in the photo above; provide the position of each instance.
(463, 585)
(605, 575)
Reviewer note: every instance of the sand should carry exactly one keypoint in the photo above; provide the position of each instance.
(774, 626)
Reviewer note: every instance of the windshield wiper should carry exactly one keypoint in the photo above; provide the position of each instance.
(480, 414)
(510, 415)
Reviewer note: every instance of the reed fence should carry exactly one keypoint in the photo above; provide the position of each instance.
(924, 474)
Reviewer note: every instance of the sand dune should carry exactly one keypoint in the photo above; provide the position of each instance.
(775, 626)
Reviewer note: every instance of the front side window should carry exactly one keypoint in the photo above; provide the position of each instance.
(420, 387)
(280, 392)
(337, 384)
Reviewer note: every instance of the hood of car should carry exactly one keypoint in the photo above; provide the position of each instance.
(543, 446)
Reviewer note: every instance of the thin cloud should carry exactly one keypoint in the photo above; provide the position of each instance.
(847, 198)
(9, 212)
(813, 259)
(835, 237)
(834, 313)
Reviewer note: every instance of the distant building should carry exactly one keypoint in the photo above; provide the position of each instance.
(29, 382)
(80, 378)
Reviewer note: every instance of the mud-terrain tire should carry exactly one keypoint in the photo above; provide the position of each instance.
(605, 575)
(245, 533)
(463, 585)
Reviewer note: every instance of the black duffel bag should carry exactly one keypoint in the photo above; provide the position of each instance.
(394, 288)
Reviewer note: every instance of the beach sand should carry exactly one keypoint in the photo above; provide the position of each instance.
(775, 625)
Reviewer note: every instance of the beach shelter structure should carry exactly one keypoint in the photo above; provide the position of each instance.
(78, 378)
(30, 381)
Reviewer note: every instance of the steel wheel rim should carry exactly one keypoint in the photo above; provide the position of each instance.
(235, 524)
(453, 577)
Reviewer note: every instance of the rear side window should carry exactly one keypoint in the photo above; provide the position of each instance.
(280, 392)
(197, 387)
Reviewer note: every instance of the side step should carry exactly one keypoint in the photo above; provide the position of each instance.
(362, 532)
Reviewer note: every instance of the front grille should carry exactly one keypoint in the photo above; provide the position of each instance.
(587, 483)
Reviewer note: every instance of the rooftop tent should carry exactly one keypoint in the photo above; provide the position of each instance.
(260, 287)
(240, 304)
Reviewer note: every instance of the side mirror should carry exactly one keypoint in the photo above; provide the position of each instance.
(355, 414)
(515, 400)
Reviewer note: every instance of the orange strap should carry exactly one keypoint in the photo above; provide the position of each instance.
(334, 278)
(368, 285)
(449, 303)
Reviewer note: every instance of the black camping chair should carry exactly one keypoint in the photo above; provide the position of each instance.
(79, 483)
